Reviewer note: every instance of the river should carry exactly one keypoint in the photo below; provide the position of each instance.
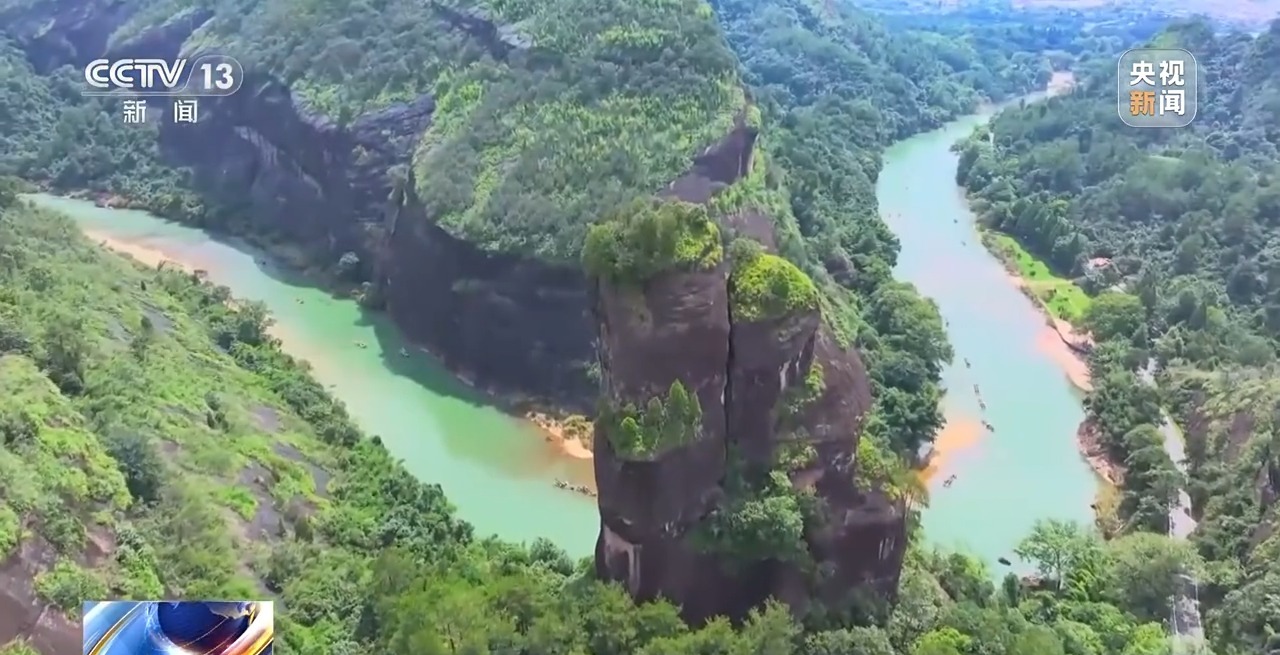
(1029, 467)
(499, 472)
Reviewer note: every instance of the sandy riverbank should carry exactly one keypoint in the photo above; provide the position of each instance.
(568, 433)
(1059, 340)
(147, 254)
(1063, 343)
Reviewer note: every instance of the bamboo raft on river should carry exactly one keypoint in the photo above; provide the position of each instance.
(577, 488)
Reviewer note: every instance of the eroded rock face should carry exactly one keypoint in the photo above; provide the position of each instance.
(756, 382)
(650, 510)
(675, 328)
(504, 321)
(769, 357)
(508, 323)
(23, 614)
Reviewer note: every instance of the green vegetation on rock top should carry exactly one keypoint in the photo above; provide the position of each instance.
(612, 102)
(765, 286)
(662, 424)
(648, 237)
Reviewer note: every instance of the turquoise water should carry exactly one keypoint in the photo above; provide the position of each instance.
(1029, 467)
(498, 471)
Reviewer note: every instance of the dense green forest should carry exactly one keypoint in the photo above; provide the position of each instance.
(582, 105)
(836, 88)
(142, 404)
(516, 157)
(1187, 221)
(228, 442)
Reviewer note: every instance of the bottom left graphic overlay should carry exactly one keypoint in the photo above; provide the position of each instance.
(178, 627)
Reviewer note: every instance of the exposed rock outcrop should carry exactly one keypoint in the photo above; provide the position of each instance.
(740, 333)
(23, 614)
(509, 323)
(504, 321)
(1089, 443)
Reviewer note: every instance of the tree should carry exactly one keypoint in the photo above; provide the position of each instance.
(142, 340)
(1147, 571)
(944, 641)
(66, 350)
(137, 458)
(1037, 640)
(9, 188)
(1114, 315)
(1059, 548)
(1148, 639)
(849, 641)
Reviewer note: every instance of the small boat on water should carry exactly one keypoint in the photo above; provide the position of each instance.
(1005, 561)
(404, 353)
(577, 488)
(949, 481)
(361, 344)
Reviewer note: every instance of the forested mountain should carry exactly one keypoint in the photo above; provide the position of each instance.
(505, 129)
(1187, 220)
(467, 138)
(535, 131)
(1249, 16)
(647, 83)
(156, 442)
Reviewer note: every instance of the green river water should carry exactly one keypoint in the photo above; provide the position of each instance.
(500, 473)
(1029, 467)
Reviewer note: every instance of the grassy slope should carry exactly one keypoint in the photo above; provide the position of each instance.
(228, 481)
(1060, 296)
(231, 439)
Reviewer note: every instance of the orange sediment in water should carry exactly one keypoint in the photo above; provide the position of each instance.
(1073, 364)
(959, 434)
(1050, 343)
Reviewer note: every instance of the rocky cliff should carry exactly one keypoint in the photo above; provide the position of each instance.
(726, 442)
(507, 322)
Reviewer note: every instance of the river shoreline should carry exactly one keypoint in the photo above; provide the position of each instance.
(569, 433)
(1069, 348)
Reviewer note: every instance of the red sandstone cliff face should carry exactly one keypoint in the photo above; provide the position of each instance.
(747, 376)
(677, 328)
(514, 325)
